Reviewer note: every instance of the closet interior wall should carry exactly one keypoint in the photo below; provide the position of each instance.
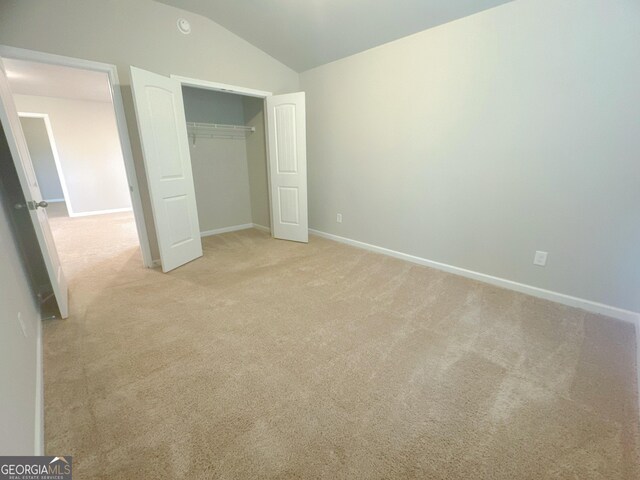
(229, 173)
(257, 162)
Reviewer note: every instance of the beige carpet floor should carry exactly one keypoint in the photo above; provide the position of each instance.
(271, 359)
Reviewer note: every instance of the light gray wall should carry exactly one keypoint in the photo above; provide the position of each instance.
(220, 171)
(35, 133)
(221, 182)
(18, 349)
(89, 150)
(141, 33)
(480, 141)
(257, 161)
(210, 106)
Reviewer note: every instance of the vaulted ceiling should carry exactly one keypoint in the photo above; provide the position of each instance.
(306, 33)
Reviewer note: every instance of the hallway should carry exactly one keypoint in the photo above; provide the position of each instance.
(84, 242)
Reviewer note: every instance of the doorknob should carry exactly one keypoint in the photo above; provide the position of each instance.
(34, 205)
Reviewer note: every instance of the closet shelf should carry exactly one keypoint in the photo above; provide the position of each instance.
(217, 130)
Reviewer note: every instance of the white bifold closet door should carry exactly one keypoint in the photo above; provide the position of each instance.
(288, 166)
(163, 133)
(36, 207)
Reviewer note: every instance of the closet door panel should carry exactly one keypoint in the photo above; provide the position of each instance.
(288, 166)
(163, 133)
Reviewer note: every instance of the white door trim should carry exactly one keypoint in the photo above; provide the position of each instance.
(114, 83)
(54, 151)
(220, 87)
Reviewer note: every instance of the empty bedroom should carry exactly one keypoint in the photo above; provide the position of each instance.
(336, 239)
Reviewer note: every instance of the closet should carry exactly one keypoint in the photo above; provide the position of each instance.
(227, 146)
(249, 163)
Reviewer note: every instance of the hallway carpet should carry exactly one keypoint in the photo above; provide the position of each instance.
(269, 359)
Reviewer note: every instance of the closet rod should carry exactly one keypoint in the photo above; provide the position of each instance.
(217, 130)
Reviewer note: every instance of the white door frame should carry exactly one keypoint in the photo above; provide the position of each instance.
(220, 87)
(54, 152)
(114, 85)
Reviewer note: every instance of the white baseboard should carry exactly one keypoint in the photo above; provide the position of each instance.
(595, 307)
(156, 263)
(54, 200)
(39, 411)
(261, 227)
(100, 212)
(233, 228)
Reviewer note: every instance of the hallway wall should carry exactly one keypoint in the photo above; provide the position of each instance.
(89, 149)
(35, 132)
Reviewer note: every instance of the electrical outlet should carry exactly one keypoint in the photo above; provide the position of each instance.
(339, 218)
(22, 325)
(540, 258)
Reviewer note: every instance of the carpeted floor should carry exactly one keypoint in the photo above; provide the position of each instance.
(271, 359)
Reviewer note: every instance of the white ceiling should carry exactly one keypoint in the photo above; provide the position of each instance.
(306, 33)
(29, 78)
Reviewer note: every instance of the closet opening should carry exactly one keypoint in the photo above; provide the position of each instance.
(228, 150)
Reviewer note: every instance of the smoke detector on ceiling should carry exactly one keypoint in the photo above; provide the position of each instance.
(184, 26)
